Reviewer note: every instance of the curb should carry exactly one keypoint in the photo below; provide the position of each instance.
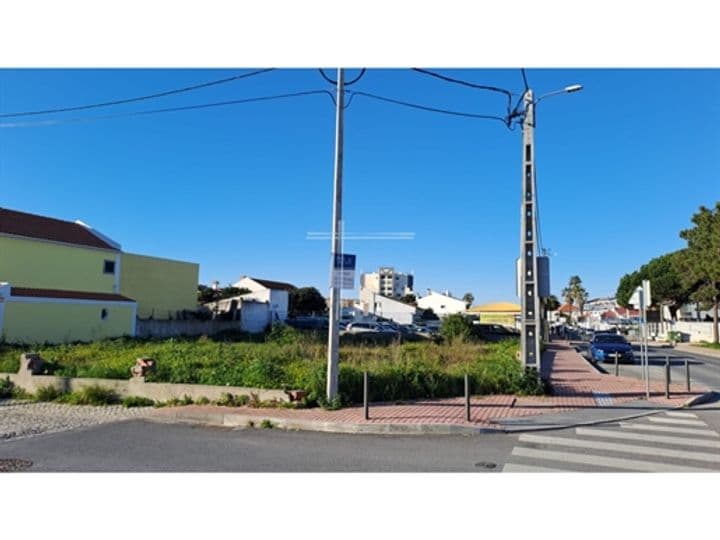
(243, 421)
(702, 398)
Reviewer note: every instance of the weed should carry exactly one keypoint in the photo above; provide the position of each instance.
(137, 401)
(47, 393)
(267, 424)
(251, 424)
(6, 388)
(202, 400)
(91, 395)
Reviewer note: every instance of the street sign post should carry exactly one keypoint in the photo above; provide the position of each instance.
(641, 299)
(343, 274)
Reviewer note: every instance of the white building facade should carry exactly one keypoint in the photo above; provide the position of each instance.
(274, 293)
(387, 282)
(442, 304)
(386, 308)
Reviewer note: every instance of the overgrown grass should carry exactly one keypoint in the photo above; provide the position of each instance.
(293, 360)
(709, 345)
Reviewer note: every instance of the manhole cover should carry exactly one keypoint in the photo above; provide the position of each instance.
(486, 464)
(13, 465)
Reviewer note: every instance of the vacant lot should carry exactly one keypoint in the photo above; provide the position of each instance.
(294, 360)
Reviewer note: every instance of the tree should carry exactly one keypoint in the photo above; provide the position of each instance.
(208, 294)
(575, 293)
(552, 303)
(229, 292)
(664, 274)
(701, 266)
(409, 299)
(306, 301)
(428, 315)
(468, 298)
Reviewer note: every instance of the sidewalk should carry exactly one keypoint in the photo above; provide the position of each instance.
(576, 387)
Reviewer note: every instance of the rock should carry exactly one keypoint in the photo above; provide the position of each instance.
(31, 363)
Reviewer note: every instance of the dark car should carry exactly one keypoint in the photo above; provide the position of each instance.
(494, 332)
(603, 348)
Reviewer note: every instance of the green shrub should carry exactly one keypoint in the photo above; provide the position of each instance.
(456, 327)
(203, 400)
(91, 395)
(137, 401)
(6, 388)
(231, 400)
(47, 393)
(267, 424)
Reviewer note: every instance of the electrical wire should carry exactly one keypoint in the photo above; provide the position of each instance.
(139, 98)
(427, 108)
(469, 84)
(333, 82)
(164, 110)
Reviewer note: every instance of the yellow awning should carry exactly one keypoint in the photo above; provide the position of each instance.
(497, 307)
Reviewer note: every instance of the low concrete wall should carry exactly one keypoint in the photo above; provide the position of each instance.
(138, 387)
(163, 329)
(694, 331)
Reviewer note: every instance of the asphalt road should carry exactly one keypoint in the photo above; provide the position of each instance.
(687, 441)
(704, 370)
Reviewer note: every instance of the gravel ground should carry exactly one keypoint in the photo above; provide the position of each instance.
(20, 419)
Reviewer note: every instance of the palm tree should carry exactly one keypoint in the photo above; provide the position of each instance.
(575, 293)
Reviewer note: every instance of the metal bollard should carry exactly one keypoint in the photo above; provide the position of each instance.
(467, 397)
(687, 375)
(617, 368)
(366, 408)
(667, 377)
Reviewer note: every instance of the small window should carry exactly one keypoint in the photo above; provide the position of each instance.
(109, 267)
(103, 314)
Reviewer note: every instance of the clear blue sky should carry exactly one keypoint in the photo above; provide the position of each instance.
(622, 166)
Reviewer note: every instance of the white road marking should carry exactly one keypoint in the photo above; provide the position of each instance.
(591, 432)
(669, 429)
(519, 467)
(620, 447)
(681, 414)
(603, 461)
(677, 421)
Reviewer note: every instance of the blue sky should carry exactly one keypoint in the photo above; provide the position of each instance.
(621, 168)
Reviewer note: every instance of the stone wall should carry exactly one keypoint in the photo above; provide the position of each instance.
(138, 387)
(166, 329)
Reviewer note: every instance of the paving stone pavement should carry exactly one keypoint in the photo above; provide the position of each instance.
(26, 419)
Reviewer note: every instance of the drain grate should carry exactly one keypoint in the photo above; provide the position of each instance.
(486, 464)
(14, 464)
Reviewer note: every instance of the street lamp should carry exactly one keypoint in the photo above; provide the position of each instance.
(531, 324)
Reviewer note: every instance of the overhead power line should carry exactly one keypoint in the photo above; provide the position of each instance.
(138, 98)
(164, 110)
(464, 83)
(347, 83)
(427, 108)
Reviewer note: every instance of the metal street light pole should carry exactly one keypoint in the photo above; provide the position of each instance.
(531, 323)
(336, 245)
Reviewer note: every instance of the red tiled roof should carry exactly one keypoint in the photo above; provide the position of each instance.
(76, 295)
(45, 228)
(568, 307)
(276, 285)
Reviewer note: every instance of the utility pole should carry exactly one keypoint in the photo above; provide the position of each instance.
(529, 299)
(336, 244)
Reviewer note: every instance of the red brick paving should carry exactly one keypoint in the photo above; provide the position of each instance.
(572, 378)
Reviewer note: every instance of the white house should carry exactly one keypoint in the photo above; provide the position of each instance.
(442, 304)
(387, 308)
(275, 293)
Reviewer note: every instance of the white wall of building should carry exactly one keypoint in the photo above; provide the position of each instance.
(381, 306)
(442, 304)
(254, 317)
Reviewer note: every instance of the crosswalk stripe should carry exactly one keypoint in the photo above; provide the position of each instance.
(677, 414)
(603, 461)
(677, 421)
(591, 432)
(620, 447)
(519, 467)
(669, 429)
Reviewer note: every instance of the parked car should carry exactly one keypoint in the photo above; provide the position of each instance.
(387, 328)
(604, 346)
(494, 332)
(362, 328)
